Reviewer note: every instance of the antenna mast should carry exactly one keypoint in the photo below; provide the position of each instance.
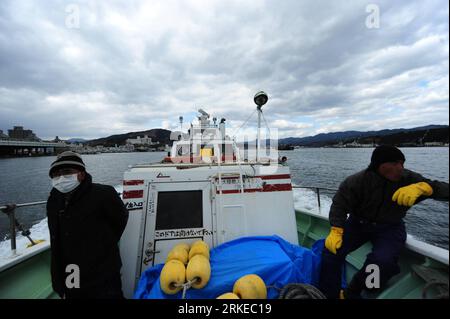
(260, 99)
(181, 123)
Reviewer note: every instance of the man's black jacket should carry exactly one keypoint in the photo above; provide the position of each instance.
(368, 195)
(85, 228)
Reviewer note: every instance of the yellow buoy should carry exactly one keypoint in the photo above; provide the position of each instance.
(184, 246)
(173, 275)
(179, 253)
(198, 268)
(228, 295)
(250, 287)
(199, 248)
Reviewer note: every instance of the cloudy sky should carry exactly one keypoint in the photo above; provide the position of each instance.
(92, 69)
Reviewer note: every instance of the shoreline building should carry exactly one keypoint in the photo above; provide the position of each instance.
(3, 136)
(140, 144)
(20, 134)
(141, 141)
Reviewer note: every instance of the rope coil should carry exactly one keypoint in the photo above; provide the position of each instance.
(299, 291)
(442, 287)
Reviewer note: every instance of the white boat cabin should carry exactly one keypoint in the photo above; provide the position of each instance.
(201, 193)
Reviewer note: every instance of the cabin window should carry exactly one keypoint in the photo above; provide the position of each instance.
(180, 209)
(183, 150)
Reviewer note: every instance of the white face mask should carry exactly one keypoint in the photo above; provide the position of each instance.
(65, 183)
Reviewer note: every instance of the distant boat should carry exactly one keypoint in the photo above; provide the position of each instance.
(285, 147)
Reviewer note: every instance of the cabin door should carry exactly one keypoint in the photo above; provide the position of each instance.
(176, 213)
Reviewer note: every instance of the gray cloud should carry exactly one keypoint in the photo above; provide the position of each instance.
(138, 65)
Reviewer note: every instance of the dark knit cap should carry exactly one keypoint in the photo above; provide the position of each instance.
(384, 154)
(67, 159)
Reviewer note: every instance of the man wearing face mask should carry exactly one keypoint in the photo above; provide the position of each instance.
(376, 200)
(86, 221)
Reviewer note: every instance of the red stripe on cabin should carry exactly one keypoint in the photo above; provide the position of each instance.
(134, 182)
(281, 176)
(133, 194)
(277, 187)
(196, 159)
(267, 188)
(235, 191)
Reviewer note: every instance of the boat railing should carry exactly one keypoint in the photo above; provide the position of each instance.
(317, 190)
(10, 211)
(421, 247)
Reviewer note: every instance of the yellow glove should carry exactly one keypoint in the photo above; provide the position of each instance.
(334, 239)
(407, 196)
(36, 241)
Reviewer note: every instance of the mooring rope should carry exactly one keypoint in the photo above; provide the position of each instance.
(299, 291)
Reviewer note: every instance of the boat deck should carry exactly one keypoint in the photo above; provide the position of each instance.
(417, 269)
(28, 276)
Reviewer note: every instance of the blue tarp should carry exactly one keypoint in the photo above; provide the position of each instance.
(275, 260)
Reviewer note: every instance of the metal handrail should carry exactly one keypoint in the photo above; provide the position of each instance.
(24, 204)
(317, 189)
(10, 211)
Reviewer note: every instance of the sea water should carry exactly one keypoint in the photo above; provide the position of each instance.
(26, 180)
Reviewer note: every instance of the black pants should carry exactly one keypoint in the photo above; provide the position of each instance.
(387, 239)
(109, 288)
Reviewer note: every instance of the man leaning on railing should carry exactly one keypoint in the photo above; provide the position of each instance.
(376, 200)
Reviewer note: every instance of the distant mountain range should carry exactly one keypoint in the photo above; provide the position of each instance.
(76, 140)
(416, 135)
(401, 136)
